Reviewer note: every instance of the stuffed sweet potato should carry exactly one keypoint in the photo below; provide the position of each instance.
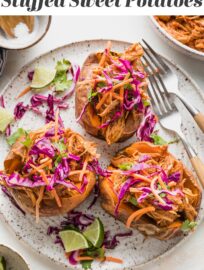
(111, 99)
(49, 171)
(151, 191)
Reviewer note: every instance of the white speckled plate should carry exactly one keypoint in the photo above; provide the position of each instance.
(134, 250)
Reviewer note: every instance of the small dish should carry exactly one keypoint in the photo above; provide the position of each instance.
(175, 43)
(13, 260)
(41, 26)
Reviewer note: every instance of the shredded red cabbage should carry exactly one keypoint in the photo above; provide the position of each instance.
(174, 177)
(43, 146)
(124, 188)
(147, 126)
(30, 75)
(20, 109)
(115, 117)
(112, 242)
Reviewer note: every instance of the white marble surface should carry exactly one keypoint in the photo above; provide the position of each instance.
(69, 29)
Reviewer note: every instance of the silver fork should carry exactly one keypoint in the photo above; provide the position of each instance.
(163, 72)
(170, 118)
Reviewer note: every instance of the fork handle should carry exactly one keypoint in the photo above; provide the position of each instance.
(199, 168)
(195, 160)
(199, 118)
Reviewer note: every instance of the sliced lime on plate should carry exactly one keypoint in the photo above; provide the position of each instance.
(95, 233)
(2, 263)
(42, 77)
(73, 240)
(5, 119)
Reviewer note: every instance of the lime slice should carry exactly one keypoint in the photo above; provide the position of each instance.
(73, 240)
(95, 233)
(2, 263)
(5, 119)
(42, 77)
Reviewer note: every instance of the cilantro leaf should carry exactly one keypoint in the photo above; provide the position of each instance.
(158, 140)
(188, 225)
(28, 142)
(15, 136)
(146, 103)
(162, 195)
(61, 81)
(60, 146)
(125, 166)
(101, 84)
(95, 252)
(91, 94)
(128, 87)
(133, 200)
(86, 265)
(63, 66)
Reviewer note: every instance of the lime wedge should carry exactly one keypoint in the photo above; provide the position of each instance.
(73, 240)
(2, 263)
(95, 233)
(5, 119)
(42, 77)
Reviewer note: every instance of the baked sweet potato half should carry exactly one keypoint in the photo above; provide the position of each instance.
(49, 171)
(111, 100)
(151, 191)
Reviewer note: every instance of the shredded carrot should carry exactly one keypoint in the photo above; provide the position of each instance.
(44, 177)
(175, 224)
(121, 84)
(142, 177)
(37, 207)
(107, 50)
(117, 96)
(56, 124)
(25, 91)
(122, 88)
(77, 172)
(83, 170)
(161, 182)
(108, 259)
(152, 185)
(137, 214)
(101, 102)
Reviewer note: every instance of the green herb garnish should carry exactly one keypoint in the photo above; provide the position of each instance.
(101, 84)
(128, 87)
(146, 103)
(125, 166)
(60, 146)
(162, 195)
(188, 225)
(133, 201)
(61, 81)
(158, 140)
(91, 95)
(86, 265)
(16, 135)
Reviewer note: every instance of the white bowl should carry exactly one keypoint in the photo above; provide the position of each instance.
(41, 26)
(174, 42)
(13, 259)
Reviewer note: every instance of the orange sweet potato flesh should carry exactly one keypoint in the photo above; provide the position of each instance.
(146, 224)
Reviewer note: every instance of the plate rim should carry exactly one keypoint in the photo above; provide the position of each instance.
(122, 42)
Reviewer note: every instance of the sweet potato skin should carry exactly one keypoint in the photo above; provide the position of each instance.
(81, 98)
(48, 207)
(144, 224)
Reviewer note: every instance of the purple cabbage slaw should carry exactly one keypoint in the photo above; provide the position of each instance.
(146, 192)
(60, 170)
(132, 97)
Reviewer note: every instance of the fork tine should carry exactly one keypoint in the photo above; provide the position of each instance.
(156, 78)
(157, 56)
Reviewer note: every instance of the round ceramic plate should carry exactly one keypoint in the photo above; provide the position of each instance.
(134, 250)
